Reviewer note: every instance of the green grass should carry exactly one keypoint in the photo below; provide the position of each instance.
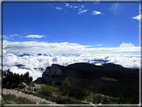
(90, 97)
(32, 84)
(109, 79)
(17, 100)
(46, 92)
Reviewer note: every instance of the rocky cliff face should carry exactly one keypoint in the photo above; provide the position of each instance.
(54, 70)
(52, 75)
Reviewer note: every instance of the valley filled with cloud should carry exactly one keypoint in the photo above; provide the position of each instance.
(34, 56)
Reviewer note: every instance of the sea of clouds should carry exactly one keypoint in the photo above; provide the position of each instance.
(36, 64)
(34, 56)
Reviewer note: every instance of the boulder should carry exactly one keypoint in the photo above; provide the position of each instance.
(22, 85)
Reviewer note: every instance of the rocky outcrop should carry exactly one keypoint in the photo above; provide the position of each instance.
(52, 75)
(17, 93)
(54, 70)
(22, 85)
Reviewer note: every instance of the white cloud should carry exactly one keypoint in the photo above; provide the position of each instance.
(139, 17)
(5, 37)
(82, 6)
(66, 4)
(127, 44)
(31, 62)
(35, 74)
(128, 61)
(10, 60)
(82, 11)
(14, 35)
(33, 47)
(71, 6)
(99, 45)
(35, 36)
(59, 8)
(75, 6)
(96, 12)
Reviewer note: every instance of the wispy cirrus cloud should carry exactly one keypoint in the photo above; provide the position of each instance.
(98, 45)
(5, 37)
(71, 6)
(75, 6)
(82, 11)
(81, 8)
(35, 36)
(11, 37)
(58, 8)
(14, 35)
(95, 12)
(66, 4)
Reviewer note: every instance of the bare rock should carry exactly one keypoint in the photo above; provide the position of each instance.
(52, 74)
(84, 102)
(22, 85)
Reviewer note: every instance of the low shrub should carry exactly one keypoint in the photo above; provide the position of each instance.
(23, 100)
(67, 100)
(28, 92)
(18, 100)
(45, 91)
(76, 92)
(32, 84)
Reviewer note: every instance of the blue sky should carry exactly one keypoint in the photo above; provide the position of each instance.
(71, 27)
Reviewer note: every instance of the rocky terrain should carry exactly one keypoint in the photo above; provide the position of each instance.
(38, 100)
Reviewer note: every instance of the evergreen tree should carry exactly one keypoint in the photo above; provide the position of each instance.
(12, 80)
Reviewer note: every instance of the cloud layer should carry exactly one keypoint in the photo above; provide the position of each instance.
(34, 63)
(73, 53)
(35, 47)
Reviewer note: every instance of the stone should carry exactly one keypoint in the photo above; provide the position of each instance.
(84, 102)
(22, 85)
(29, 88)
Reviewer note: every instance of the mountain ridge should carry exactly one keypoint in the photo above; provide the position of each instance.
(108, 79)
